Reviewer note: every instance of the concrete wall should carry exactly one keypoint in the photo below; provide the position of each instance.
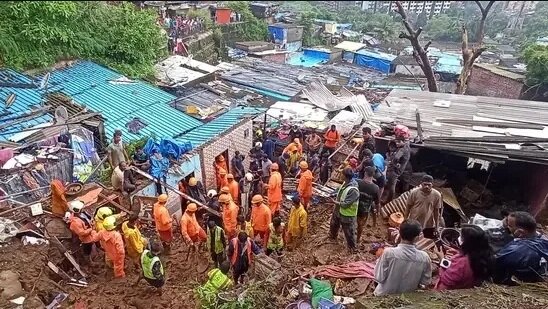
(294, 34)
(240, 138)
(402, 70)
(483, 82)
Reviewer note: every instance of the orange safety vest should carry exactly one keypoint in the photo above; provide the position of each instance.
(236, 254)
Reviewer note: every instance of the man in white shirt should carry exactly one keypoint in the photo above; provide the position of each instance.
(404, 268)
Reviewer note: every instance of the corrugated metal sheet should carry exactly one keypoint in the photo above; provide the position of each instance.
(91, 85)
(26, 100)
(350, 46)
(209, 131)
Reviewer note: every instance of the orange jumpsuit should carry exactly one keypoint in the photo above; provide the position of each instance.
(163, 222)
(113, 244)
(305, 187)
(85, 234)
(331, 139)
(191, 229)
(59, 203)
(234, 189)
(230, 219)
(260, 221)
(275, 191)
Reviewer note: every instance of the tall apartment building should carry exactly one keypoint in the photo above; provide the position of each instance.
(434, 7)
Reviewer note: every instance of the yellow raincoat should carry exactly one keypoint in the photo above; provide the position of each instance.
(297, 224)
(135, 242)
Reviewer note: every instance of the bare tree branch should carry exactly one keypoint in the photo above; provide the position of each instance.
(419, 52)
(480, 6)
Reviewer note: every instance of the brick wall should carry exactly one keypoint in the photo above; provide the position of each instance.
(234, 139)
(483, 82)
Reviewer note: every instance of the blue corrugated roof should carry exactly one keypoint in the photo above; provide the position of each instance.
(26, 98)
(208, 131)
(376, 54)
(90, 85)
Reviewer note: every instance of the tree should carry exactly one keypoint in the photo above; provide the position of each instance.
(422, 20)
(536, 26)
(252, 29)
(470, 54)
(307, 21)
(443, 27)
(36, 34)
(536, 59)
(419, 51)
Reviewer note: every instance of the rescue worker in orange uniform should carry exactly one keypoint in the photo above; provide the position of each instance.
(190, 228)
(220, 166)
(80, 225)
(305, 184)
(230, 214)
(233, 187)
(164, 223)
(113, 244)
(274, 189)
(260, 218)
(295, 145)
(332, 138)
(222, 181)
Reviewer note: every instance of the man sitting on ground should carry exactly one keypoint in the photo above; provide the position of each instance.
(404, 268)
(522, 257)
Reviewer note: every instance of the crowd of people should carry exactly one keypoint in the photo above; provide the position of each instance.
(245, 216)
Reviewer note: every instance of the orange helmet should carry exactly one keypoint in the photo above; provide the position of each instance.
(257, 199)
(224, 198)
(162, 198)
(230, 176)
(192, 181)
(191, 207)
(303, 165)
(225, 189)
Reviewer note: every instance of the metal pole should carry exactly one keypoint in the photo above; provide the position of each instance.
(200, 204)
(341, 146)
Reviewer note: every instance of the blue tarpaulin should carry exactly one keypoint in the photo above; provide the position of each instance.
(278, 34)
(167, 147)
(317, 54)
(348, 56)
(375, 60)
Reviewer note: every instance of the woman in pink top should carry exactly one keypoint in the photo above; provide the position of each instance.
(472, 265)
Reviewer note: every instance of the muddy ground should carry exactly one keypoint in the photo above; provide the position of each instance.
(183, 276)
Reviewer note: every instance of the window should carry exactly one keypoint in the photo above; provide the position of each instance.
(246, 133)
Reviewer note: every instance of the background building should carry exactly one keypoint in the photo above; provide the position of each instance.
(411, 6)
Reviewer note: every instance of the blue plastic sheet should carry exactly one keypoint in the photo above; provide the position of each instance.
(167, 147)
(278, 34)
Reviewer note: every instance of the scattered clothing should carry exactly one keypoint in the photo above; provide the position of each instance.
(402, 269)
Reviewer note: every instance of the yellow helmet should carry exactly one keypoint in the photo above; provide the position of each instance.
(162, 198)
(192, 181)
(103, 212)
(109, 223)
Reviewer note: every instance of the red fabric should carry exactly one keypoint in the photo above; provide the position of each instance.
(360, 269)
(459, 275)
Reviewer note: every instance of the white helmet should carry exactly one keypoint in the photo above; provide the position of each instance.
(258, 144)
(76, 206)
(67, 216)
(249, 176)
(211, 193)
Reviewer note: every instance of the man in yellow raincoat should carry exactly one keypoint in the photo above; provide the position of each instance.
(135, 242)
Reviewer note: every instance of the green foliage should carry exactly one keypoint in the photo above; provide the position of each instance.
(308, 8)
(133, 145)
(36, 34)
(536, 26)
(209, 300)
(385, 26)
(443, 27)
(448, 26)
(309, 39)
(536, 59)
(252, 29)
(422, 20)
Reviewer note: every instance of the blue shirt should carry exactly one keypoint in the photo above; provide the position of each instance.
(378, 161)
(268, 148)
(521, 258)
